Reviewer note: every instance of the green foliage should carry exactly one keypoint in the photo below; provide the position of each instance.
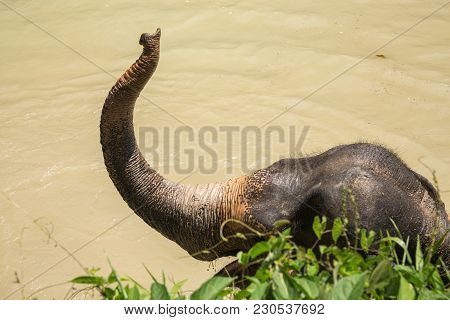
(212, 289)
(125, 288)
(367, 266)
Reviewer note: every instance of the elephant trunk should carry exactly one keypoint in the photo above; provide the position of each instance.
(189, 215)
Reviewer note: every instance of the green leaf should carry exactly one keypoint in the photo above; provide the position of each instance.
(108, 293)
(364, 241)
(308, 287)
(158, 291)
(133, 293)
(336, 231)
(242, 294)
(286, 233)
(381, 275)
(122, 295)
(312, 268)
(411, 275)
(92, 271)
(439, 241)
(243, 258)
(367, 239)
(436, 281)
(281, 223)
(399, 234)
(324, 223)
(349, 288)
(406, 290)
(258, 249)
(211, 288)
(399, 242)
(176, 288)
(419, 255)
(445, 269)
(371, 237)
(317, 227)
(427, 294)
(112, 277)
(89, 280)
(323, 249)
(259, 291)
(406, 252)
(282, 289)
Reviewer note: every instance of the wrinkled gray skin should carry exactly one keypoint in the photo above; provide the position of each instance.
(383, 187)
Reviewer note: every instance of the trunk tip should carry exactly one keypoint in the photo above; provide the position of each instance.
(147, 39)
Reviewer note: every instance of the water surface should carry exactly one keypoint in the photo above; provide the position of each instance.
(222, 63)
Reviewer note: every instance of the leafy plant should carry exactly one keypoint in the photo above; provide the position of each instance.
(114, 287)
(370, 267)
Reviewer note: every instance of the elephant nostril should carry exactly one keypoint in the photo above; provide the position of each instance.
(146, 37)
(143, 37)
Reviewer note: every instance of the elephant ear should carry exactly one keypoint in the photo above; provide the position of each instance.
(283, 195)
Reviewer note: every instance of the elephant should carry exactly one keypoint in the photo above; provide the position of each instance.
(199, 217)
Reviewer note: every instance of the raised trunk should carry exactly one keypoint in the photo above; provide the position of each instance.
(189, 215)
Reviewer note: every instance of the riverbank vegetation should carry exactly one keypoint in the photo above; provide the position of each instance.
(363, 266)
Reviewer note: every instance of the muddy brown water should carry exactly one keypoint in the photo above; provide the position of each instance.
(222, 63)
